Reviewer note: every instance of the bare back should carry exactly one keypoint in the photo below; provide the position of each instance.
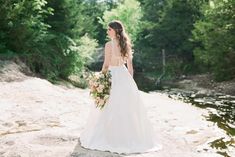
(113, 57)
(116, 58)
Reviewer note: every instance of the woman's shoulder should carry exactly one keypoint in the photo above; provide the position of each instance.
(108, 44)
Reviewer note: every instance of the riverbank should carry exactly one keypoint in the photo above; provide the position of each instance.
(42, 119)
(203, 83)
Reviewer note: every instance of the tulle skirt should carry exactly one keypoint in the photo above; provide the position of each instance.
(122, 125)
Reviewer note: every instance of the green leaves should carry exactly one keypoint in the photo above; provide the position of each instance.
(56, 38)
(129, 12)
(168, 25)
(216, 32)
(46, 35)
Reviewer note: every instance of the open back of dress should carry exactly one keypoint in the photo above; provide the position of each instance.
(122, 126)
(116, 57)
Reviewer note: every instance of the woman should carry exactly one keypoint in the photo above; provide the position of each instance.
(122, 125)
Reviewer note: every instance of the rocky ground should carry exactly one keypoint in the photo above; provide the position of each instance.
(205, 82)
(39, 119)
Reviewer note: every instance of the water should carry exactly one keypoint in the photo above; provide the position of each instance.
(221, 110)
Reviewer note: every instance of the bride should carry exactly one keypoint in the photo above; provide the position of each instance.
(122, 125)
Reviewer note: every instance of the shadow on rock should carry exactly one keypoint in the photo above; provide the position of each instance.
(80, 151)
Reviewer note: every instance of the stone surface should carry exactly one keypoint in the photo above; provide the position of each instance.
(39, 119)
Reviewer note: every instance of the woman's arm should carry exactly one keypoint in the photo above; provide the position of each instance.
(107, 57)
(130, 65)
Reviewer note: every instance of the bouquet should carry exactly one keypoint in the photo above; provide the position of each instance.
(100, 85)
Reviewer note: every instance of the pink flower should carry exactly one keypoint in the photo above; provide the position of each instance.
(101, 102)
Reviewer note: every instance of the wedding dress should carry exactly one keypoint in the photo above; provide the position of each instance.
(122, 126)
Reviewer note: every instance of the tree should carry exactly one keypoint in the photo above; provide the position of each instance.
(22, 25)
(215, 33)
(129, 12)
(45, 34)
(169, 25)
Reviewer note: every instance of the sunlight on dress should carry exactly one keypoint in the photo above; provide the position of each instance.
(122, 126)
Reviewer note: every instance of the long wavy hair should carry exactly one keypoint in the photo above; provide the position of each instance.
(123, 38)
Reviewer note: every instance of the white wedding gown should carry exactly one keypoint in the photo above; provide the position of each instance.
(122, 126)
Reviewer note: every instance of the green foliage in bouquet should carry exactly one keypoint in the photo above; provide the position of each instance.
(100, 85)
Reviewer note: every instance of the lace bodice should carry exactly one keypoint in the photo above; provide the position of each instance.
(116, 58)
